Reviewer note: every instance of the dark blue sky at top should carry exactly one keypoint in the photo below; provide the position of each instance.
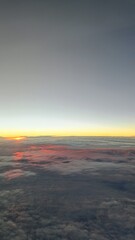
(67, 63)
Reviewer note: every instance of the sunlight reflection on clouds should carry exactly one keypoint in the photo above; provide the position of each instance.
(63, 158)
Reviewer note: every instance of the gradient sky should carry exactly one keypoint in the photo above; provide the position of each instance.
(67, 67)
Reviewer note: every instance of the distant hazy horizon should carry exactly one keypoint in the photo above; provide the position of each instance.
(12, 134)
(91, 142)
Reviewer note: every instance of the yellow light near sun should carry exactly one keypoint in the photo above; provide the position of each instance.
(16, 138)
(19, 135)
(19, 138)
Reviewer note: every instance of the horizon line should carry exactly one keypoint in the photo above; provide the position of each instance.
(32, 136)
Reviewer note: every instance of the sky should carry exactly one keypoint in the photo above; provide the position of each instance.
(67, 67)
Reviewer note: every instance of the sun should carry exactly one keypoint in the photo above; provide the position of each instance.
(17, 138)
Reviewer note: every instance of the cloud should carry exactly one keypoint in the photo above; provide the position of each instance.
(77, 157)
(15, 173)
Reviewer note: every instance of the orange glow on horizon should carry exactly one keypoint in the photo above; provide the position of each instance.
(16, 138)
(115, 133)
(19, 138)
(21, 134)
